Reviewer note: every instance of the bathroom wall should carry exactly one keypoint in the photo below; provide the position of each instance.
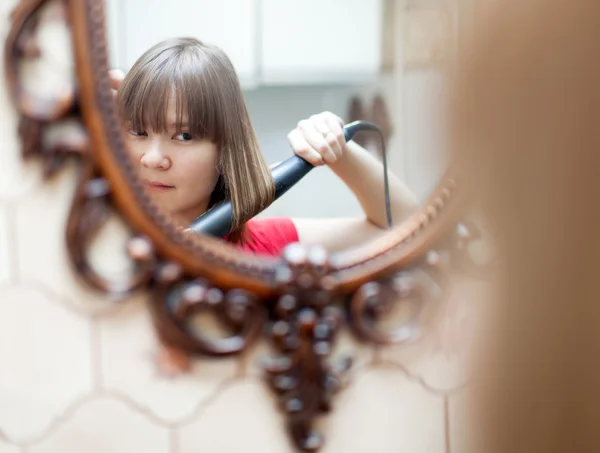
(416, 156)
(78, 374)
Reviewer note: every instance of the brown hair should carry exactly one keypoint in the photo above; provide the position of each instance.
(208, 95)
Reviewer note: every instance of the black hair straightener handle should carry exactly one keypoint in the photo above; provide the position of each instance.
(218, 220)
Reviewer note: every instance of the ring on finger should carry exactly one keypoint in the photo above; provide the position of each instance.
(322, 128)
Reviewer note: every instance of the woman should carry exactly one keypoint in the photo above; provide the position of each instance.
(191, 137)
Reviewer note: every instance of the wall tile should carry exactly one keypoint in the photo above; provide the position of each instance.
(106, 426)
(128, 344)
(441, 357)
(242, 419)
(44, 351)
(461, 438)
(7, 448)
(402, 416)
(42, 252)
(382, 411)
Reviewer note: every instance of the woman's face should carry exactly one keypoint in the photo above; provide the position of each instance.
(178, 171)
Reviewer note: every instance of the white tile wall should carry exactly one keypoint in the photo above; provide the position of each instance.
(394, 409)
(46, 362)
(106, 425)
(7, 448)
(458, 411)
(128, 343)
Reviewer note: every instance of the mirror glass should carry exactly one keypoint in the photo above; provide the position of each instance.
(216, 94)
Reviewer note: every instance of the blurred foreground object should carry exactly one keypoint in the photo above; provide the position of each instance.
(526, 130)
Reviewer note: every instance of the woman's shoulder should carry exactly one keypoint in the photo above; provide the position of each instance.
(269, 235)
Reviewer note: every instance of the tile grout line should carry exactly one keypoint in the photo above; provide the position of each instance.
(376, 355)
(13, 250)
(241, 369)
(174, 440)
(417, 378)
(65, 301)
(447, 424)
(95, 354)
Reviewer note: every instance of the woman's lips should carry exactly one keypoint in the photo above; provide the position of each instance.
(158, 186)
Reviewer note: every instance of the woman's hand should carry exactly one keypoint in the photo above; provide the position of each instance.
(319, 139)
(116, 77)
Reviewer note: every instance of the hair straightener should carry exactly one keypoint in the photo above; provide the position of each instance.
(218, 220)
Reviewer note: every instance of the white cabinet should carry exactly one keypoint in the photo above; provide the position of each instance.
(269, 41)
(136, 25)
(320, 41)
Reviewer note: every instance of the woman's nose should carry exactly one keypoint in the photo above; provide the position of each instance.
(154, 158)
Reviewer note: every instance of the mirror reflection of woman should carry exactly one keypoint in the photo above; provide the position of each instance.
(193, 143)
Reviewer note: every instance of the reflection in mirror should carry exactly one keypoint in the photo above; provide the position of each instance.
(202, 127)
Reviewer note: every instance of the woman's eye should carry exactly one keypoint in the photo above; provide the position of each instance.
(184, 136)
(138, 133)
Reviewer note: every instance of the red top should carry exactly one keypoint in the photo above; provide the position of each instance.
(269, 236)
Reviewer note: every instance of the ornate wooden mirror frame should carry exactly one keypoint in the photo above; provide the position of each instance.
(300, 299)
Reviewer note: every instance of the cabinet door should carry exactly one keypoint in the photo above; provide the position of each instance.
(320, 40)
(229, 24)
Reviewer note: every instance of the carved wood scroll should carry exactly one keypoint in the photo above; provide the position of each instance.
(299, 301)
